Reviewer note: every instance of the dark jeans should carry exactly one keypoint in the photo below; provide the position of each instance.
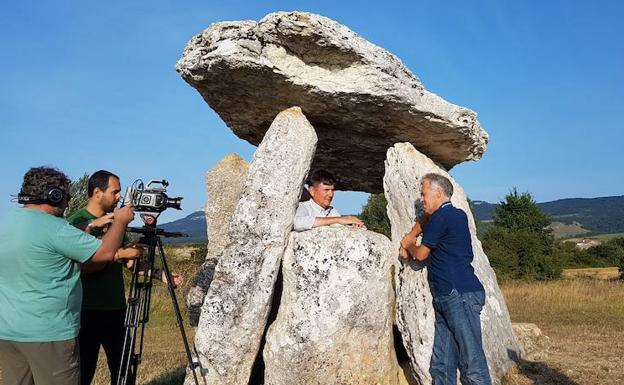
(100, 328)
(457, 342)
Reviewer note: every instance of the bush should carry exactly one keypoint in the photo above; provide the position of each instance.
(518, 242)
(200, 251)
(78, 191)
(375, 216)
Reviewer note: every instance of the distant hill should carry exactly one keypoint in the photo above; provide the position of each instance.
(573, 216)
(193, 224)
(598, 215)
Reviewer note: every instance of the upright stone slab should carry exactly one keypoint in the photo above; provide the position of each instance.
(236, 307)
(334, 325)
(415, 317)
(224, 184)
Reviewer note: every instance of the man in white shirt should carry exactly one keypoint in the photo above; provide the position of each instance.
(318, 210)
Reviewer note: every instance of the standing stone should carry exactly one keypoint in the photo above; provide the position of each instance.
(415, 316)
(359, 97)
(224, 184)
(334, 325)
(236, 307)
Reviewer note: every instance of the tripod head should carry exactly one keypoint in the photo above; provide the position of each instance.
(153, 231)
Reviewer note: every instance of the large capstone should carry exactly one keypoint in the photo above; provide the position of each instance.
(236, 307)
(224, 184)
(415, 316)
(334, 325)
(360, 98)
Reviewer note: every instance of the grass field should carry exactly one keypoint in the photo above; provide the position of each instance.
(600, 237)
(584, 320)
(606, 273)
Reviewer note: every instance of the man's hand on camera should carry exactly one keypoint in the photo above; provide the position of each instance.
(102, 221)
(124, 214)
(132, 252)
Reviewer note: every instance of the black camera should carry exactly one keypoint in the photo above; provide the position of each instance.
(151, 199)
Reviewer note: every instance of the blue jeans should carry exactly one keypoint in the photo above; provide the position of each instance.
(457, 342)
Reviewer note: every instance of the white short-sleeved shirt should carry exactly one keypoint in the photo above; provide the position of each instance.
(308, 211)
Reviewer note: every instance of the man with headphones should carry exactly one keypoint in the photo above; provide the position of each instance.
(40, 291)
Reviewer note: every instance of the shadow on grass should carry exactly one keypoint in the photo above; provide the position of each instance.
(542, 374)
(174, 377)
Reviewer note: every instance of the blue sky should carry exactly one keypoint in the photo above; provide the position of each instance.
(87, 85)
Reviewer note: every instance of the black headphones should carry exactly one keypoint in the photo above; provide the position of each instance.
(52, 195)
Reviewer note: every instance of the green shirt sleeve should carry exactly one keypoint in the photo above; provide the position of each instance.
(75, 244)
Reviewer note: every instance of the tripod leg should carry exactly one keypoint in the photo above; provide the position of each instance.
(137, 313)
(192, 364)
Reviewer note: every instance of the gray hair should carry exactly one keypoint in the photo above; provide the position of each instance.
(439, 181)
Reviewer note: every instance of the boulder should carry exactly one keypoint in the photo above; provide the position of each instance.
(224, 184)
(360, 98)
(535, 344)
(197, 292)
(415, 316)
(236, 307)
(334, 324)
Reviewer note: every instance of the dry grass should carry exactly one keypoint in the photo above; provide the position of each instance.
(164, 359)
(607, 273)
(585, 322)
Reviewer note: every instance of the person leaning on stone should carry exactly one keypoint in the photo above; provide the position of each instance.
(40, 291)
(318, 210)
(103, 302)
(458, 296)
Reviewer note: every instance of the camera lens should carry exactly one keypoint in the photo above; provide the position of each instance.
(174, 203)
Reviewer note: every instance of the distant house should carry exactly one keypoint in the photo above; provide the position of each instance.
(585, 244)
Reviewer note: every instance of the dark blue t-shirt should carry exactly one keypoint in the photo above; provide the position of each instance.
(448, 237)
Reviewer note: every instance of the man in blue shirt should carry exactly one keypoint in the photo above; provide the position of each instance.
(458, 296)
(40, 291)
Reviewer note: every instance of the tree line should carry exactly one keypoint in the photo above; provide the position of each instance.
(518, 240)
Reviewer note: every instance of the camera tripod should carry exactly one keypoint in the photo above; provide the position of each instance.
(139, 297)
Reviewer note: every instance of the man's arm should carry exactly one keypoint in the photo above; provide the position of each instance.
(127, 253)
(408, 248)
(419, 253)
(88, 226)
(343, 220)
(114, 236)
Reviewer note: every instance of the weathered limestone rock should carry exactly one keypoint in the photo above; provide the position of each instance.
(236, 307)
(360, 98)
(334, 324)
(535, 344)
(224, 183)
(197, 293)
(415, 317)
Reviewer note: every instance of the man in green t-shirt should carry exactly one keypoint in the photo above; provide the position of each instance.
(40, 291)
(103, 303)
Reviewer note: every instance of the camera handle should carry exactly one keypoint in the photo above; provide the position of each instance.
(139, 299)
